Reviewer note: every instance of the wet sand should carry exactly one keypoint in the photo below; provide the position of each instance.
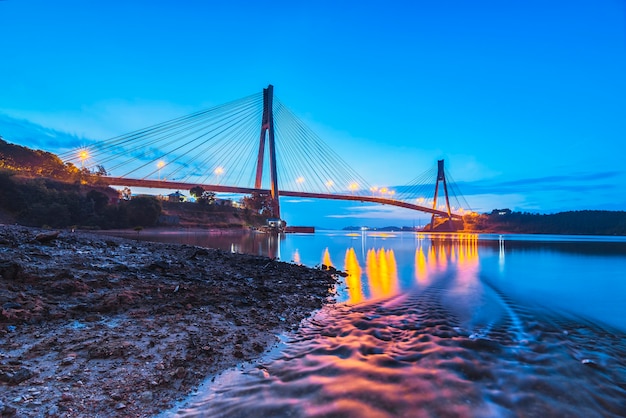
(102, 326)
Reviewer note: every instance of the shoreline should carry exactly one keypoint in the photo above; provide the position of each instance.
(97, 325)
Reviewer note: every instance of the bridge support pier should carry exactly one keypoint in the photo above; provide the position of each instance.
(267, 129)
(441, 177)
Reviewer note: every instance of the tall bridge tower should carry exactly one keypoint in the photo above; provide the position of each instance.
(267, 129)
(441, 177)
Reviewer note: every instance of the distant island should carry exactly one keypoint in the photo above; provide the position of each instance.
(583, 222)
(38, 189)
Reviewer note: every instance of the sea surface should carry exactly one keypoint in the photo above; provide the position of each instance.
(428, 325)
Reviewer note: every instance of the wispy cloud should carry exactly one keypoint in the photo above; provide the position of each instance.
(299, 201)
(104, 119)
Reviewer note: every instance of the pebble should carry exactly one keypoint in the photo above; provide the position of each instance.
(147, 396)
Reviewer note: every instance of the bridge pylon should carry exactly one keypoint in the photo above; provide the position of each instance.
(441, 177)
(267, 130)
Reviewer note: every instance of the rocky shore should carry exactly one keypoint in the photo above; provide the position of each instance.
(101, 326)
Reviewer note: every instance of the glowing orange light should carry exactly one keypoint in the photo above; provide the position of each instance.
(83, 155)
(326, 258)
(383, 190)
(353, 186)
(329, 183)
(219, 171)
(382, 272)
(296, 257)
(353, 280)
(300, 180)
(421, 270)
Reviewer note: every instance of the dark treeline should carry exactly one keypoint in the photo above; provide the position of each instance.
(38, 189)
(584, 222)
(48, 202)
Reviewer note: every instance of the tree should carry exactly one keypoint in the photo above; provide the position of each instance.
(208, 197)
(259, 203)
(99, 199)
(143, 211)
(196, 191)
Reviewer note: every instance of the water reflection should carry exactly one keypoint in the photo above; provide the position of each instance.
(353, 280)
(326, 258)
(437, 332)
(535, 270)
(385, 275)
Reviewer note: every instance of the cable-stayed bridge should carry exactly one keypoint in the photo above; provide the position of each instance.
(255, 145)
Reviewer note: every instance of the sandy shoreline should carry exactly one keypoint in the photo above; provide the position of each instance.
(92, 325)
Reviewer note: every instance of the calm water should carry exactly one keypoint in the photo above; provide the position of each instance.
(435, 325)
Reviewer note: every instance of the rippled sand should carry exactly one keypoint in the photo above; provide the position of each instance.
(432, 352)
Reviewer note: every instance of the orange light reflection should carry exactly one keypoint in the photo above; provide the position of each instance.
(353, 280)
(382, 272)
(326, 259)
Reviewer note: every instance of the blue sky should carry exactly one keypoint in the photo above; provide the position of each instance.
(524, 99)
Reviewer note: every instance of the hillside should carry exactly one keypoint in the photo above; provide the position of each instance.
(584, 222)
(38, 189)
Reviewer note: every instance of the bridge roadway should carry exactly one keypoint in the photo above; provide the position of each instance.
(167, 184)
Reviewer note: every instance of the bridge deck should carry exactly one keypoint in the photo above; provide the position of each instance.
(167, 184)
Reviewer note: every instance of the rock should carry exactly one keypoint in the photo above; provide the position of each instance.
(8, 411)
(147, 396)
(116, 396)
(67, 361)
(10, 270)
(180, 372)
(11, 305)
(47, 236)
(14, 374)
(66, 397)
(120, 405)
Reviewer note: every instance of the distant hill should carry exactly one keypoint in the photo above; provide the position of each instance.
(38, 189)
(584, 222)
(28, 162)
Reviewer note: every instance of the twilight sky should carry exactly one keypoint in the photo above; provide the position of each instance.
(526, 100)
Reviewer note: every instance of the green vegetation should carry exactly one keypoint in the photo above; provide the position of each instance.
(38, 189)
(35, 163)
(584, 222)
(48, 202)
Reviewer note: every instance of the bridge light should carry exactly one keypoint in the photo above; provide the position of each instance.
(383, 190)
(300, 180)
(391, 192)
(160, 165)
(353, 186)
(329, 183)
(420, 200)
(83, 155)
(219, 171)
(373, 189)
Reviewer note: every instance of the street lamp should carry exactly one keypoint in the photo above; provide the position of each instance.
(160, 165)
(83, 155)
